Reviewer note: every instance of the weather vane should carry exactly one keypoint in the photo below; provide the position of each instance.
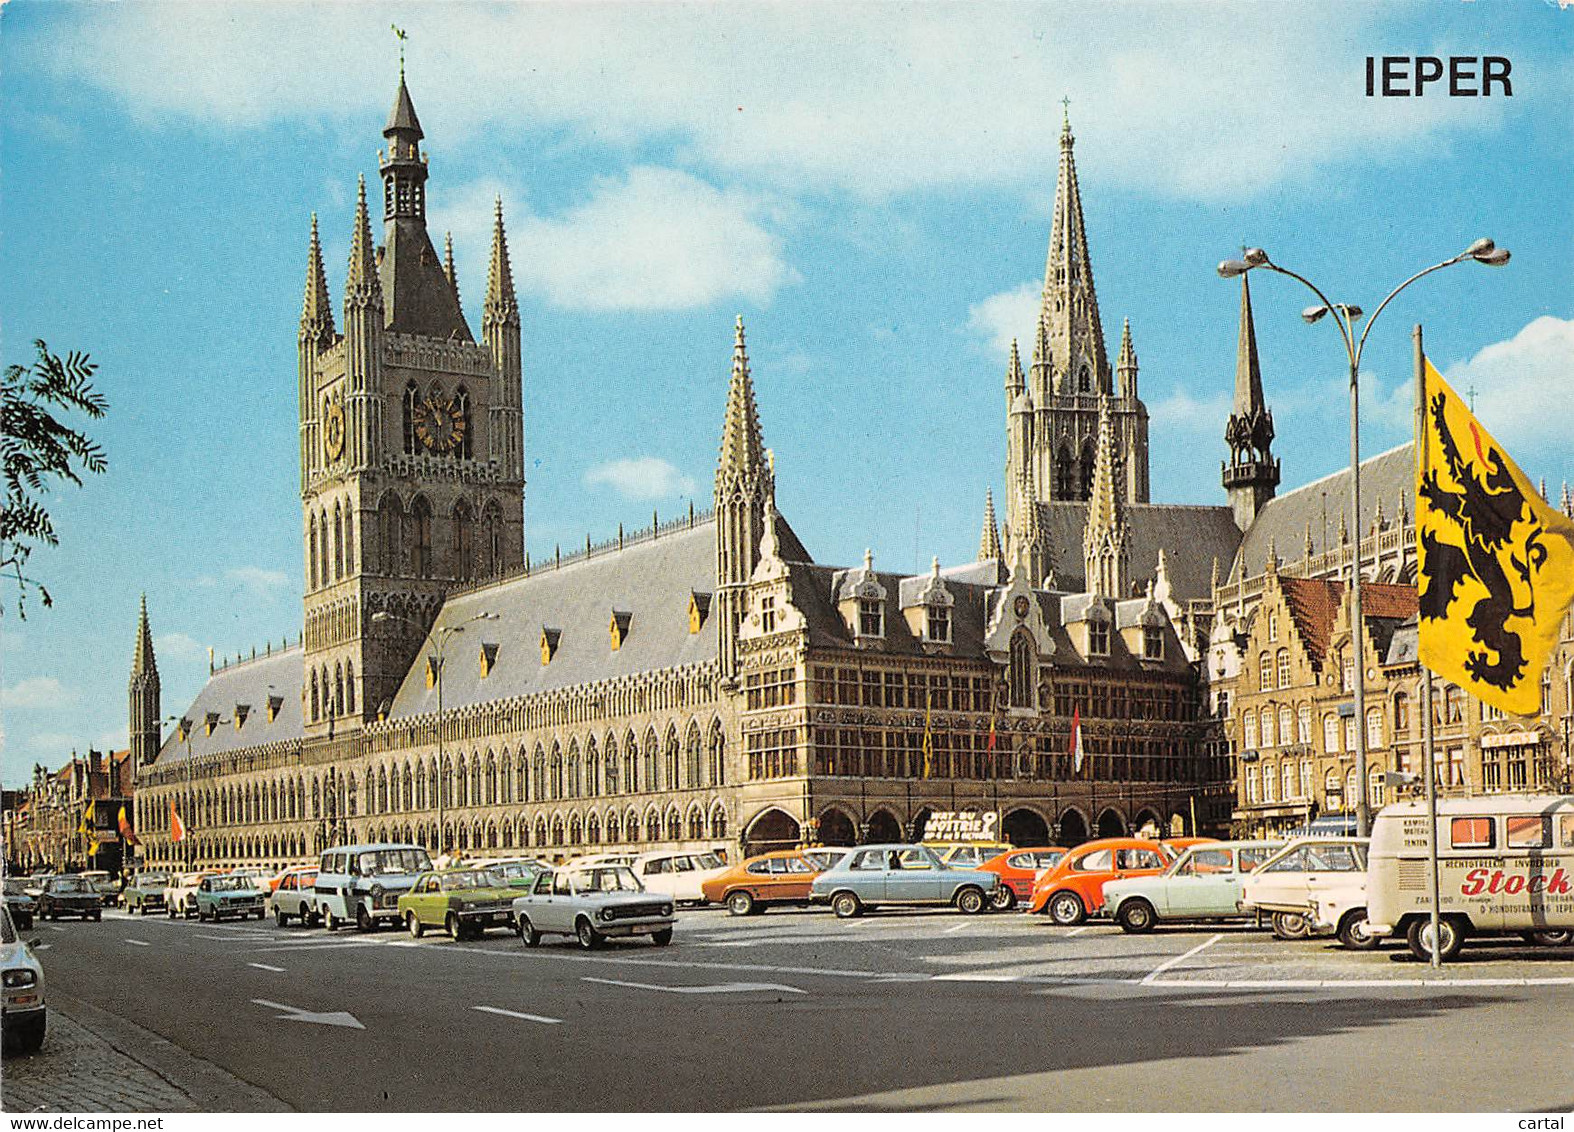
(1065, 107)
(399, 32)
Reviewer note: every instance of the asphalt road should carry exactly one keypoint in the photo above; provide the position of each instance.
(927, 1010)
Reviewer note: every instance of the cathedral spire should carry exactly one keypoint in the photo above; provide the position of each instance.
(1252, 472)
(742, 449)
(989, 540)
(744, 482)
(143, 660)
(144, 727)
(361, 280)
(316, 307)
(1070, 311)
(1105, 550)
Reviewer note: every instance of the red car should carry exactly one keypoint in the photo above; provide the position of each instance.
(1074, 889)
(1017, 869)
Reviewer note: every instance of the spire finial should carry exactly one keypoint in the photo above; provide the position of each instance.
(742, 447)
(401, 35)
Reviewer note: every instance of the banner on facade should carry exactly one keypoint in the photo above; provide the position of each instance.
(962, 825)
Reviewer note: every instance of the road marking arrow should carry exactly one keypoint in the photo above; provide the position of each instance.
(718, 988)
(517, 1014)
(324, 1018)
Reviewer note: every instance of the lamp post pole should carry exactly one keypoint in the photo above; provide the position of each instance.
(440, 639)
(1345, 317)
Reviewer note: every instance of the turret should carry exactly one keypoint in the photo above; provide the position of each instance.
(363, 334)
(143, 693)
(316, 334)
(1126, 364)
(500, 332)
(743, 484)
(1252, 472)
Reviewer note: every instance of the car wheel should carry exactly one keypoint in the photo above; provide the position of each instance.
(280, 917)
(1291, 925)
(740, 903)
(1065, 909)
(261, 912)
(413, 924)
(201, 915)
(170, 911)
(98, 917)
(311, 919)
(329, 920)
(456, 930)
(589, 940)
(661, 938)
(1451, 938)
(1354, 932)
(527, 933)
(1136, 916)
(27, 1037)
(846, 905)
(970, 901)
(1004, 899)
(1546, 938)
(363, 918)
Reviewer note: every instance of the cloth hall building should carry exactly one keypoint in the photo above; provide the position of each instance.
(702, 682)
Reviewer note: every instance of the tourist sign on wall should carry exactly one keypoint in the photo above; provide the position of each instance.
(962, 825)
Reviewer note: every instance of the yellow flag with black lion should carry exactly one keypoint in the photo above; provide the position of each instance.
(1496, 562)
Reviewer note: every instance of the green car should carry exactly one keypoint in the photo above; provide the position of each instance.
(233, 895)
(463, 902)
(145, 892)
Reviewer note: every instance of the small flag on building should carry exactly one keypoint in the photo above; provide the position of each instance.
(87, 819)
(1076, 741)
(1496, 563)
(125, 828)
(177, 828)
(929, 740)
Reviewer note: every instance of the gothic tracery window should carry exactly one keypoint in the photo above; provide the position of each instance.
(1024, 661)
(465, 449)
(411, 398)
(421, 538)
(464, 542)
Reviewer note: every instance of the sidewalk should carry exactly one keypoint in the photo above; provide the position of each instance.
(94, 1061)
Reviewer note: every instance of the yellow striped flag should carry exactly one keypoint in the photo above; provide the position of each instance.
(929, 738)
(1496, 563)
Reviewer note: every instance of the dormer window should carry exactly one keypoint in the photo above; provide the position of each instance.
(1098, 637)
(488, 659)
(1152, 642)
(274, 704)
(549, 643)
(768, 614)
(699, 609)
(938, 627)
(212, 721)
(871, 618)
(241, 712)
(619, 628)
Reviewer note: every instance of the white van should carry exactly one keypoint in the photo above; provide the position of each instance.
(677, 873)
(1505, 864)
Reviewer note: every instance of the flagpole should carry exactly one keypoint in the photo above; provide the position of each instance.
(1429, 760)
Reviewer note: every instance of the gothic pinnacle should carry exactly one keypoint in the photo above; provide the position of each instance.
(448, 262)
(362, 276)
(143, 661)
(500, 299)
(316, 308)
(989, 539)
(1014, 380)
(742, 449)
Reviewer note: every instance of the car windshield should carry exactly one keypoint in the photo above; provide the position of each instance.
(470, 878)
(232, 884)
(159, 879)
(68, 884)
(612, 878)
(393, 861)
(14, 886)
(513, 869)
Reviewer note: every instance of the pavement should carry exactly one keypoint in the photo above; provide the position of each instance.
(923, 1010)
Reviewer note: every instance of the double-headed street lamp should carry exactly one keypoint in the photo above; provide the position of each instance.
(441, 639)
(1345, 317)
(183, 728)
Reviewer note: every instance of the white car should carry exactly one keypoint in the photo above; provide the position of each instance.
(592, 903)
(1319, 880)
(180, 898)
(679, 875)
(23, 975)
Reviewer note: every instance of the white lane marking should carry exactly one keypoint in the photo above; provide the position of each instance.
(954, 928)
(718, 988)
(1168, 963)
(140, 942)
(1079, 931)
(1340, 984)
(233, 938)
(517, 1014)
(728, 943)
(42, 946)
(265, 967)
(54, 927)
(974, 977)
(321, 1018)
(315, 947)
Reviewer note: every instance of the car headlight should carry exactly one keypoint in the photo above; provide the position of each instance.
(604, 914)
(20, 978)
(666, 909)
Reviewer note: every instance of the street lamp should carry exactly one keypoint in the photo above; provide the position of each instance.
(1345, 317)
(441, 638)
(183, 728)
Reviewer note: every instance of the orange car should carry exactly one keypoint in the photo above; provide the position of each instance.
(780, 877)
(1017, 869)
(1074, 889)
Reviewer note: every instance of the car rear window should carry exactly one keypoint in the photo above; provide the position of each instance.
(1098, 861)
(1566, 831)
(1143, 859)
(1471, 833)
(1252, 859)
(1532, 831)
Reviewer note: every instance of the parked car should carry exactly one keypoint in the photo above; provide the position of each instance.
(36, 884)
(874, 875)
(362, 883)
(1505, 867)
(593, 904)
(1314, 884)
(1017, 869)
(180, 898)
(751, 886)
(237, 894)
(23, 1015)
(107, 887)
(1204, 883)
(966, 854)
(517, 872)
(144, 893)
(1074, 889)
(464, 902)
(19, 903)
(680, 875)
(70, 895)
(295, 898)
(823, 857)
(277, 878)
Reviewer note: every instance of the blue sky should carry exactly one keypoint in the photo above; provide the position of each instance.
(869, 186)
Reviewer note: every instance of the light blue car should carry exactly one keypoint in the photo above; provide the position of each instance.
(1204, 883)
(872, 875)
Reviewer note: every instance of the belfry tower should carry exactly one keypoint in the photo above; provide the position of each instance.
(412, 441)
(1070, 382)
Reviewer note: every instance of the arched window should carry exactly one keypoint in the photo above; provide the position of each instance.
(1084, 380)
(348, 539)
(1267, 718)
(492, 539)
(465, 449)
(1286, 727)
(338, 689)
(349, 686)
(592, 768)
(411, 397)
(669, 763)
(338, 541)
(612, 774)
(718, 755)
(1024, 665)
(464, 542)
(575, 776)
(1284, 668)
(324, 550)
(1065, 475)
(1303, 732)
(1289, 780)
(652, 765)
(1086, 479)
(311, 552)
(390, 542)
(315, 700)
(1401, 713)
(555, 781)
(421, 537)
(693, 760)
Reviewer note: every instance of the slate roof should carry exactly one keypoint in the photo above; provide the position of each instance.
(1388, 477)
(417, 297)
(1404, 647)
(1192, 536)
(245, 682)
(815, 587)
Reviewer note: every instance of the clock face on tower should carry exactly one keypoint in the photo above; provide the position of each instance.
(439, 424)
(333, 430)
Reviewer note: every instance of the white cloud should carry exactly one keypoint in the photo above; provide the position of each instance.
(1007, 315)
(36, 692)
(1166, 97)
(1180, 411)
(255, 581)
(1523, 388)
(176, 646)
(644, 477)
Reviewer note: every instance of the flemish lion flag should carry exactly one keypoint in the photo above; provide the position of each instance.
(177, 828)
(1496, 563)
